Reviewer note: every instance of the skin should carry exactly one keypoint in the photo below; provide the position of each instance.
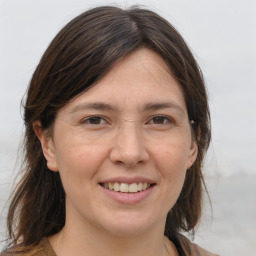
(153, 142)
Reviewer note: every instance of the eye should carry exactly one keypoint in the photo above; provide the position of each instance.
(160, 120)
(94, 121)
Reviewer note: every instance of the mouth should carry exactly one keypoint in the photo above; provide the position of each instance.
(127, 188)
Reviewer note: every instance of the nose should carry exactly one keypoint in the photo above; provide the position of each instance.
(128, 147)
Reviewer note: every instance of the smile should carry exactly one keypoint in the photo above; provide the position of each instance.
(125, 187)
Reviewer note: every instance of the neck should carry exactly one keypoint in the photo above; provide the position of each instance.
(74, 240)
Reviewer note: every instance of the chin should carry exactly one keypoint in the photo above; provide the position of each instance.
(129, 224)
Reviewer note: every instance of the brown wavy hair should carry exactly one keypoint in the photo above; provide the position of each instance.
(80, 55)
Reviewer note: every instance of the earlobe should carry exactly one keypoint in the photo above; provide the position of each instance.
(193, 154)
(47, 146)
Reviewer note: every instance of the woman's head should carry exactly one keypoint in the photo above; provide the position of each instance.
(131, 129)
(79, 57)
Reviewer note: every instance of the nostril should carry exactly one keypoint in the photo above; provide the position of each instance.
(118, 162)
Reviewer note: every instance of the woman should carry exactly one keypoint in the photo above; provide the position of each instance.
(117, 126)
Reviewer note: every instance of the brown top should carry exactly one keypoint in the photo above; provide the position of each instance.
(45, 249)
(192, 249)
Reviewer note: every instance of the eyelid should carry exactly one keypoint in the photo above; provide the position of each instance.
(83, 121)
(161, 116)
(86, 120)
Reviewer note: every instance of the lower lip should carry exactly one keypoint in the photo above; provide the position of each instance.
(128, 198)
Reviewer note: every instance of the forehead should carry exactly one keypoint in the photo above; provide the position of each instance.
(134, 81)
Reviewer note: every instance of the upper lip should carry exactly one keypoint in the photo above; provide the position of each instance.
(128, 180)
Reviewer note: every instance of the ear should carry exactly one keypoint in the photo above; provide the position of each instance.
(192, 154)
(47, 145)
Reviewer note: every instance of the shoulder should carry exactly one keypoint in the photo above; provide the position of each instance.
(42, 249)
(193, 249)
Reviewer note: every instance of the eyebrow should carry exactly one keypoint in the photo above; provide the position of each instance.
(94, 105)
(164, 105)
(109, 107)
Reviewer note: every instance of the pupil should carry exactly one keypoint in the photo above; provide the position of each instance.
(95, 120)
(158, 120)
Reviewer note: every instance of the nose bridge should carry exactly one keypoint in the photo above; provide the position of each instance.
(129, 146)
(129, 129)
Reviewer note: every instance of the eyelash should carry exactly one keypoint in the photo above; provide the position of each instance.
(86, 120)
(166, 120)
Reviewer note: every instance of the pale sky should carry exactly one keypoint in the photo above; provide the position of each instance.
(221, 34)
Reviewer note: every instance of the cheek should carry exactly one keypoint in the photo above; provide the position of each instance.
(172, 157)
(171, 162)
(80, 160)
(173, 169)
(78, 168)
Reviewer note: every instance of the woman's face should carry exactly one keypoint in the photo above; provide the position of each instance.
(123, 147)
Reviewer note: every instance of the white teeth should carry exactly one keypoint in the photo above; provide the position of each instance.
(144, 186)
(125, 188)
(139, 186)
(116, 186)
(133, 188)
(110, 185)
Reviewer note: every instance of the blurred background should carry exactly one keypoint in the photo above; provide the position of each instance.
(222, 37)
